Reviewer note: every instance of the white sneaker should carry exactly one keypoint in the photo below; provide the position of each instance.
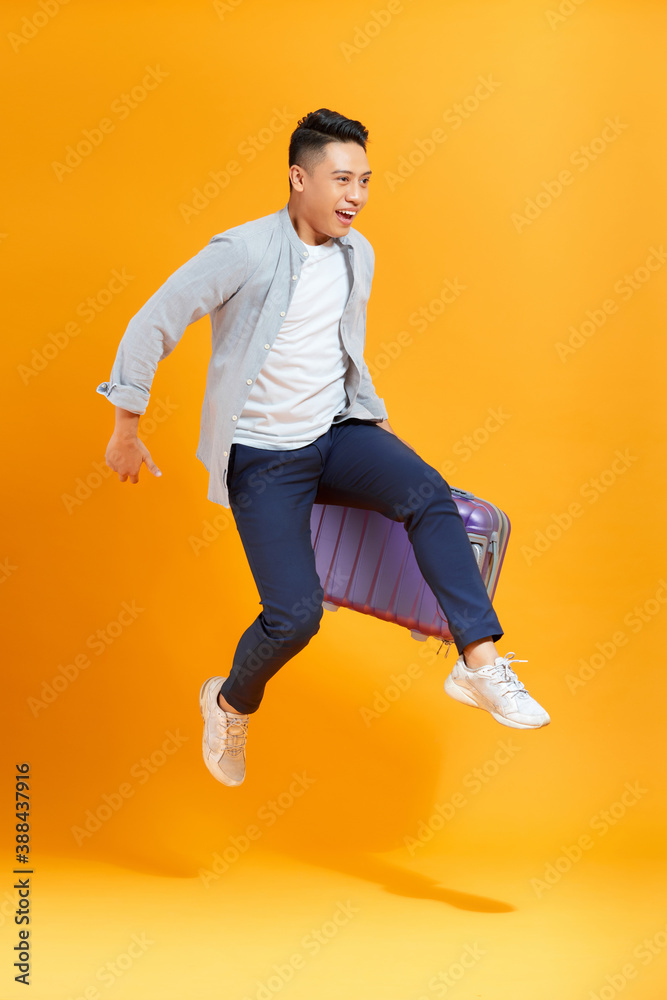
(225, 734)
(498, 690)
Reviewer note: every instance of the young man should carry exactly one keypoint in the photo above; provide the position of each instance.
(290, 416)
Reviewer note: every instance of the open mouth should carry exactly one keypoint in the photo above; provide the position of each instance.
(345, 216)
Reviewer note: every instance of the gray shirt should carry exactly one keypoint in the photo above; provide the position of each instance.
(244, 278)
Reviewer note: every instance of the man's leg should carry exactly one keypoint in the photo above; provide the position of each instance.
(271, 495)
(367, 466)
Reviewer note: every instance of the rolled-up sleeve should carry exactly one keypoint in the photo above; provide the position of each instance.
(195, 289)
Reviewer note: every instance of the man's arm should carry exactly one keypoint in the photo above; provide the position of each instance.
(193, 290)
(384, 424)
(200, 285)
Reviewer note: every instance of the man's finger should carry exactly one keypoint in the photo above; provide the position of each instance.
(151, 466)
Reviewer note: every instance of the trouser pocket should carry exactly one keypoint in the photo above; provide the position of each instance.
(230, 466)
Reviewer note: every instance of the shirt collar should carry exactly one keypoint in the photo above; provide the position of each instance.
(293, 237)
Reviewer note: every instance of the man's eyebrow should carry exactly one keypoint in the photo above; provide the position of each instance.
(351, 172)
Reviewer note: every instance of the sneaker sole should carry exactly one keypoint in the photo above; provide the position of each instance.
(458, 694)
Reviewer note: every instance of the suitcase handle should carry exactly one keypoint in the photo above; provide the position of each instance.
(480, 548)
(493, 563)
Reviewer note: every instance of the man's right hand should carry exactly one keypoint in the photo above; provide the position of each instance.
(124, 455)
(125, 452)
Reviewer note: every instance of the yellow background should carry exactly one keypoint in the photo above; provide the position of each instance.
(479, 882)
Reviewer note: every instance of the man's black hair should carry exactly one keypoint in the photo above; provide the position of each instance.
(318, 128)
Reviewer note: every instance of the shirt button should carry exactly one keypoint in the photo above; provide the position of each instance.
(282, 314)
(248, 381)
(235, 417)
(305, 253)
(225, 454)
(267, 346)
(294, 277)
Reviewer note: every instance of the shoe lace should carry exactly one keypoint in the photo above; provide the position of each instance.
(507, 677)
(233, 743)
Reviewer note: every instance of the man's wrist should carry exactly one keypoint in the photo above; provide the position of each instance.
(127, 422)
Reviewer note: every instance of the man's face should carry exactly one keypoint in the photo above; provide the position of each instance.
(331, 197)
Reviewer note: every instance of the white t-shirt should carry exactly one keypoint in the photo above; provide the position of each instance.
(300, 388)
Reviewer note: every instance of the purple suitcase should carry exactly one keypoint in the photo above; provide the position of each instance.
(365, 561)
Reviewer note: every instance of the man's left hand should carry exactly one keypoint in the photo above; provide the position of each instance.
(385, 425)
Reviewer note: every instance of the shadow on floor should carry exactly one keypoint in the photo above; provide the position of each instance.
(401, 882)
(367, 786)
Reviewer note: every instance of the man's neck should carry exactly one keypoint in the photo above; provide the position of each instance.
(303, 230)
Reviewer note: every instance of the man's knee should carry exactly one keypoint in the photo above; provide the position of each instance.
(302, 621)
(427, 487)
(306, 617)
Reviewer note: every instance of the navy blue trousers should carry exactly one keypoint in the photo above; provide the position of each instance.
(354, 464)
